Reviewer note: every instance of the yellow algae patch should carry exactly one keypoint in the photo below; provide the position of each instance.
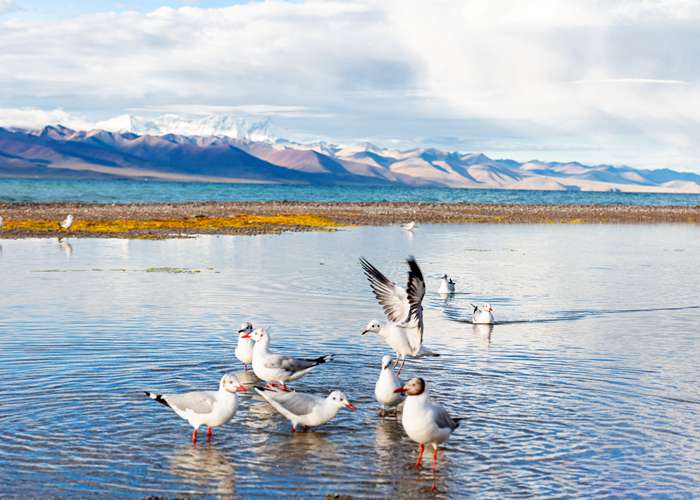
(199, 222)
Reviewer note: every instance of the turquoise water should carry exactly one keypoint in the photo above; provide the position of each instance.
(124, 191)
(586, 388)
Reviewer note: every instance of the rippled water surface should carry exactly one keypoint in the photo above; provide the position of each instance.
(588, 386)
(129, 191)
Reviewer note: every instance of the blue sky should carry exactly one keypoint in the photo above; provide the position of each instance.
(589, 80)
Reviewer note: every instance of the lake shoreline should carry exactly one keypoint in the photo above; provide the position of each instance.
(168, 220)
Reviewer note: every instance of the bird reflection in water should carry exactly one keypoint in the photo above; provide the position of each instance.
(205, 468)
(483, 333)
(66, 247)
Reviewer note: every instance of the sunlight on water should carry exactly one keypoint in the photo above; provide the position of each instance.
(586, 386)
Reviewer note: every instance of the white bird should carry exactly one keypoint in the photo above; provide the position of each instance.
(424, 421)
(483, 315)
(2, 221)
(67, 222)
(276, 369)
(404, 330)
(447, 286)
(385, 388)
(210, 408)
(244, 348)
(305, 409)
(408, 226)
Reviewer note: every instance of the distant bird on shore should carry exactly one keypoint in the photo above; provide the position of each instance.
(277, 369)
(210, 408)
(385, 388)
(483, 315)
(2, 221)
(424, 421)
(305, 409)
(408, 226)
(447, 286)
(244, 348)
(66, 223)
(403, 307)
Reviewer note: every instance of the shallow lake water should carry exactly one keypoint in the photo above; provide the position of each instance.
(588, 386)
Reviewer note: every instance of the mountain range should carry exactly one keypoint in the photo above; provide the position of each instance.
(60, 152)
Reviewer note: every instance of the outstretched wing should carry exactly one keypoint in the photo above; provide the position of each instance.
(391, 297)
(415, 291)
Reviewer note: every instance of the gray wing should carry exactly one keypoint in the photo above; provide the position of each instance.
(197, 401)
(289, 364)
(391, 297)
(294, 402)
(415, 290)
(443, 419)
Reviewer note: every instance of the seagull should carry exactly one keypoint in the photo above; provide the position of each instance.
(67, 222)
(244, 348)
(276, 369)
(404, 330)
(425, 422)
(408, 226)
(483, 315)
(2, 221)
(447, 286)
(210, 408)
(387, 383)
(305, 409)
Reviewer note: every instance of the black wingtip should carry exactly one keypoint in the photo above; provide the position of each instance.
(458, 420)
(157, 397)
(324, 359)
(413, 266)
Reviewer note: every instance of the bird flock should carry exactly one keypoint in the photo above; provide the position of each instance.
(425, 421)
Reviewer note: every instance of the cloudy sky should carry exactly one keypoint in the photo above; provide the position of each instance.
(614, 81)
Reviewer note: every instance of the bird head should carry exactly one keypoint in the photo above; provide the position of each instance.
(373, 326)
(340, 400)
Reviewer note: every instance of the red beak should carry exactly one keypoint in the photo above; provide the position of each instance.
(350, 406)
(246, 336)
(241, 388)
(400, 390)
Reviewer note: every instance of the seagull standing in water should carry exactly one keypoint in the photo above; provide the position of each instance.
(244, 348)
(424, 421)
(385, 388)
(404, 330)
(483, 315)
(210, 408)
(66, 223)
(277, 369)
(305, 409)
(447, 286)
(408, 226)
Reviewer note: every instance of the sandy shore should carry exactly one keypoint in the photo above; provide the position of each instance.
(166, 220)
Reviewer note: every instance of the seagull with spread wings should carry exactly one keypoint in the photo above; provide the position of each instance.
(403, 308)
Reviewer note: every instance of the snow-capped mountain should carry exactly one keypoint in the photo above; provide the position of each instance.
(60, 152)
(218, 124)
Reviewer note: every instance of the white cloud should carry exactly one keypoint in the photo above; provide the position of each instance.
(617, 78)
(32, 118)
(7, 6)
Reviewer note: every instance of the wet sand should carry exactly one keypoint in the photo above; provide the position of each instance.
(166, 220)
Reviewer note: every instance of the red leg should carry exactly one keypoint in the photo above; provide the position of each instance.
(210, 433)
(194, 436)
(420, 455)
(434, 465)
(403, 360)
(294, 429)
